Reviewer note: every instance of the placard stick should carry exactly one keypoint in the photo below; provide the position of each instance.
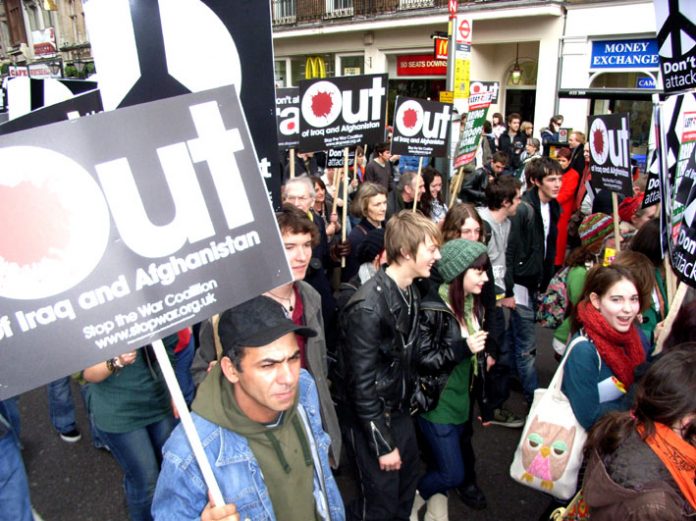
(292, 163)
(345, 201)
(187, 422)
(415, 194)
(674, 306)
(456, 185)
(617, 229)
(670, 279)
(335, 182)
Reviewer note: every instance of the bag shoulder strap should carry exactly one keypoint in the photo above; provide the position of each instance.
(557, 379)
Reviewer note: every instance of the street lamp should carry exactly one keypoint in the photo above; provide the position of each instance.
(79, 67)
(56, 68)
(516, 70)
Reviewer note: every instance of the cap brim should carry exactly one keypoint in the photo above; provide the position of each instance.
(270, 335)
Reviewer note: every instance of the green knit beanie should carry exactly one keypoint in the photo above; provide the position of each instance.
(457, 256)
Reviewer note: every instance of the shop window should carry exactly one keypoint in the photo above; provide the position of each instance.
(640, 111)
(352, 65)
(280, 73)
(312, 66)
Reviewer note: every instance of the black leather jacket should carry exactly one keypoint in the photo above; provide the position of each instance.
(474, 187)
(379, 338)
(440, 348)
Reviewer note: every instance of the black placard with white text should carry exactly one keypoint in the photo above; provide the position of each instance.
(420, 127)
(288, 117)
(610, 161)
(127, 226)
(152, 49)
(342, 112)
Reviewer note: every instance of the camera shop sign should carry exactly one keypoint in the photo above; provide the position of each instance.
(610, 161)
(420, 127)
(124, 227)
(342, 112)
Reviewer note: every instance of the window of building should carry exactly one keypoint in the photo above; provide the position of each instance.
(311, 66)
(284, 11)
(16, 21)
(280, 68)
(338, 8)
(351, 65)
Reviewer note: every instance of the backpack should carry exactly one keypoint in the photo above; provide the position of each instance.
(552, 306)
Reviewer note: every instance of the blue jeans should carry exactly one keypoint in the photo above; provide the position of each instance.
(182, 369)
(14, 486)
(10, 410)
(447, 459)
(97, 442)
(520, 335)
(139, 453)
(60, 405)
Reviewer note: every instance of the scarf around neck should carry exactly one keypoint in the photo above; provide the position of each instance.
(622, 352)
(678, 455)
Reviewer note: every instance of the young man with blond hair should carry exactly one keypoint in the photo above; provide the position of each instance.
(379, 326)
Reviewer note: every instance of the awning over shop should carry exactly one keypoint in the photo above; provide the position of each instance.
(609, 94)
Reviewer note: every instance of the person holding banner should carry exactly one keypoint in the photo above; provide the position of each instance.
(258, 417)
(410, 188)
(130, 405)
(380, 328)
(303, 306)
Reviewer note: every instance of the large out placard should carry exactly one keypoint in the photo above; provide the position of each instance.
(288, 117)
(470, 135)
(610, 160)
(342, 112)
(420, 127)
(127, 226)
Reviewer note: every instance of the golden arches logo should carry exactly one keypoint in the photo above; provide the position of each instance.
(315, 67)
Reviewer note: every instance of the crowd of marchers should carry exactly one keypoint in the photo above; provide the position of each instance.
(391, 343)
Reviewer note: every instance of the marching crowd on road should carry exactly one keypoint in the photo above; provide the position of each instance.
(384, 366)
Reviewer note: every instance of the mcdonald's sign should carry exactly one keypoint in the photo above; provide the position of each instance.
(441, 48)
(315, 67)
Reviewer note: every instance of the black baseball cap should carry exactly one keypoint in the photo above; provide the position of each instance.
(256, 323)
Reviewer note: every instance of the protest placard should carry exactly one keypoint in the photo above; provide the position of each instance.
(78, 106)
(420, 127)
(610, 160)
(141, 55)
(676, 37)
(127, 226)
(342, 112)
(471, 134)
(288, 117)
(335, 159)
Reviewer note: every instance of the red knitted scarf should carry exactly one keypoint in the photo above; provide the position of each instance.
(622, 352)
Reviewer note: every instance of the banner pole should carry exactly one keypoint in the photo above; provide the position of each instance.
(415, 194)
(617, 229)
(345, 201)
(456, 186)
(335, 182)
(670, 280)
(292, 163)
(187, 422)
(674, 306)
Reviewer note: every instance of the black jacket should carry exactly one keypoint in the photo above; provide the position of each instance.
(524, 256)
(379, 336)
(513, 148)
(474, 186)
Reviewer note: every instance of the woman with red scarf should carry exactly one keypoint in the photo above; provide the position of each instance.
(599, 370)
(642, 464)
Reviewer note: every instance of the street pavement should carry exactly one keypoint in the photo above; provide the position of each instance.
(76, 482)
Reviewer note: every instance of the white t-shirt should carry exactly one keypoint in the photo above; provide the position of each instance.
(546, 218)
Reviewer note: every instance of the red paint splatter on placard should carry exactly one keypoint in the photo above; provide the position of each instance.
(321, 104)
(291, 125)
(410, 118)
(34, 223)
(598, 142)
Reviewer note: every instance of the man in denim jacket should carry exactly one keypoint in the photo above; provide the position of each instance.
(257, 414)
